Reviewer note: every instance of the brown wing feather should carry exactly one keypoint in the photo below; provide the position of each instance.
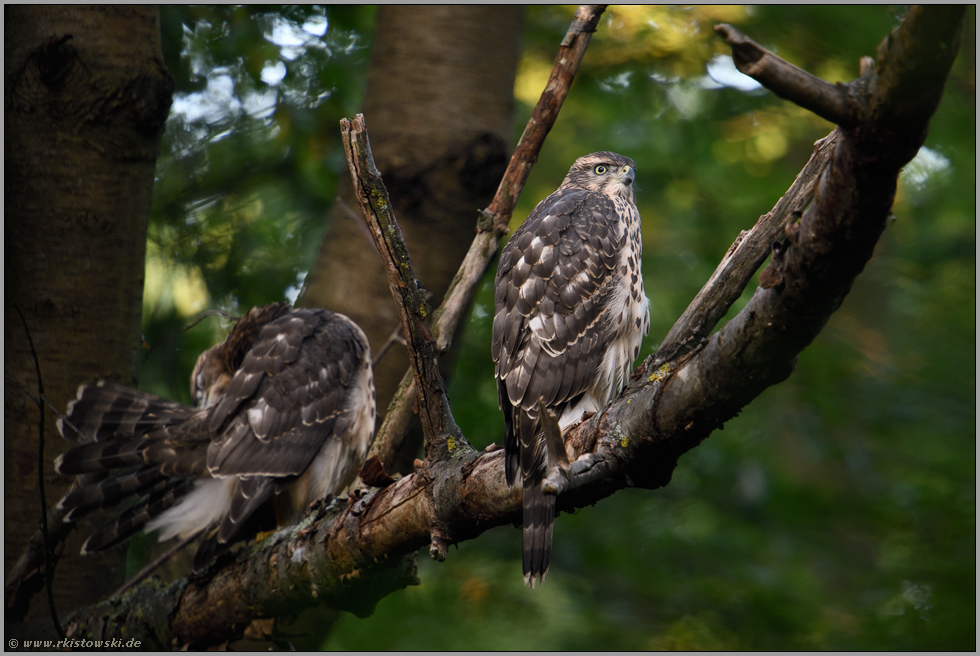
(292, 391)
(540, 314)
(546, 318)
(550, 295)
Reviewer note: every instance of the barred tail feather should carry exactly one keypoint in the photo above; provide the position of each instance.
(539, 522)
(96, 457)
(139, 481)
(135, 518)
(105, 410)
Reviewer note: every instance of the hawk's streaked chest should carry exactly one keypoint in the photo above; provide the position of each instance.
(634, 319)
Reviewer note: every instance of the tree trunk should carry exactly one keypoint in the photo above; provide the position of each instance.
(439, 104)
(87, 95)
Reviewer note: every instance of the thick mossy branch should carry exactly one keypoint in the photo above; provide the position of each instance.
(296, 568)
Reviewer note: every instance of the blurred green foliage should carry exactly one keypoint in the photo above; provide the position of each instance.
(837, 512)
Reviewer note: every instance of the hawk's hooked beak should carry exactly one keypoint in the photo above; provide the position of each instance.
(626, 175)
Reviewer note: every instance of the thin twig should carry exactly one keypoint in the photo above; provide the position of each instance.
(352, 215)
(153, 566)
(40, 476)
(44, 398)
(396, 337)
(201, 317)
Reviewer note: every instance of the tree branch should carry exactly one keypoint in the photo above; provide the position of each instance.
(913, 63)
(825, 252)
(349, 557)
(545, 113)
(788, 81)
(743, 259)
(376, 209)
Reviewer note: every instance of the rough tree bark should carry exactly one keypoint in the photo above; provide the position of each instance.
(86, 97)
(348, 554)
(440, 100)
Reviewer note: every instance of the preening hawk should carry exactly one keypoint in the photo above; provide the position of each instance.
(569, 315)
(286, 407)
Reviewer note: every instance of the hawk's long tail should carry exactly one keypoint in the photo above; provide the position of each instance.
(105, 411)
(539, 522)
(124, 454)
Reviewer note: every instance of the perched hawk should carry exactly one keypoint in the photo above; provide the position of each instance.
(285, 407)
(569, 315)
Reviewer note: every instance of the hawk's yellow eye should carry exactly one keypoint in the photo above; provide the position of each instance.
(600, 169)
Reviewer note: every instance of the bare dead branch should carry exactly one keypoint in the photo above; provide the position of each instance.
(913, 63)
(786, 80)
(545, 113)
(376, 208)
(902, 94)
(395, 337)
(389, 438)
(743, 259)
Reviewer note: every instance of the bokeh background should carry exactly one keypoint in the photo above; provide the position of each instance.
(838, 511)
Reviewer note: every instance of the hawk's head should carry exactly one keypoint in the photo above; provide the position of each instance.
(210, 379)
(605, 172)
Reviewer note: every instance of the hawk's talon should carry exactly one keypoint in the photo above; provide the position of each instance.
(556, 482)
